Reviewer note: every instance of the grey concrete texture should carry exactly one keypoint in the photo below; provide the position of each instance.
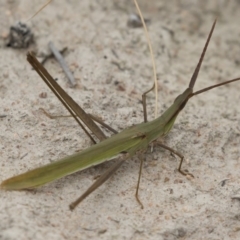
(111, 64)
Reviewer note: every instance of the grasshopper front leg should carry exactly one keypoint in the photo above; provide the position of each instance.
(179, 155)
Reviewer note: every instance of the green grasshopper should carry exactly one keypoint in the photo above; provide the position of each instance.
(124, 145)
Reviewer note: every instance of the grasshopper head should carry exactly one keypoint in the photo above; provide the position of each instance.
(182, 99)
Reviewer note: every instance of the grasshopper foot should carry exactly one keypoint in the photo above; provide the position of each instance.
(185, 173)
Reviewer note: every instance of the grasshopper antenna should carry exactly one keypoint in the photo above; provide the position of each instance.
(214, 86)
(195, 74)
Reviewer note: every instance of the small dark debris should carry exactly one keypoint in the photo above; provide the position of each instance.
(20, 36)
(210, 230)
(237, 217)
(121, 88)
(180, 232)
(166, 179)
(134, 21)
(102, 231)
(175, 233)
(223, 182)
(236, 197)
(23, 156)
(43, 95)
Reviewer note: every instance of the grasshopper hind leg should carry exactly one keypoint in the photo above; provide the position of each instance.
(179, 155)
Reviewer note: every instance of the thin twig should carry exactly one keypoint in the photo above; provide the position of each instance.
(50, 55)
(63, 64)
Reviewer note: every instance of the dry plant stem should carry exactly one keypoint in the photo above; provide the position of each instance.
(151, 55)
(51, 55)
(38, 11)
(63, 64)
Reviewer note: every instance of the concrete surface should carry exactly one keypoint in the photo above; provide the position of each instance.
(110, 62)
